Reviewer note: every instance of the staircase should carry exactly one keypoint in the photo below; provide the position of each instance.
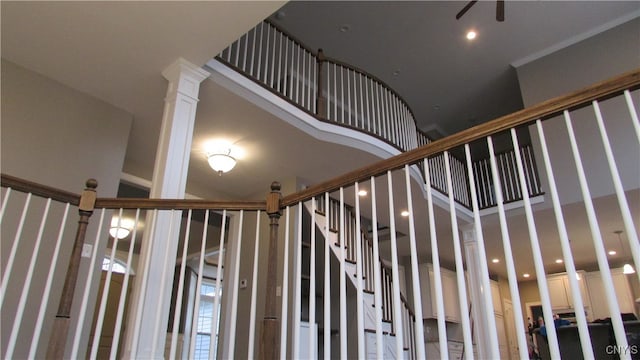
(330, 218)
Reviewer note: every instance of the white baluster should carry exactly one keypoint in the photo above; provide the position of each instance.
(297, 280)
(415, 279)
(395, 282)
(285, 291)
(47, 289)
(216, 300)
(17, 320)
(482, 255)
(327, 283)
(183, 268)
(632, 235)
(84, 303)
(4, 203)
(377, 274)
(312, 280)
(537, 257)
(14, 249)
(435, 259)
(462, 290)
(605, 272)
(196, 306)
(123, 292)
(632, 113)
(585, 339)
(234, 291)
(254, 290)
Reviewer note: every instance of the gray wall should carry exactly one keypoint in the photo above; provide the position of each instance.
(598, 58)
(54, 135)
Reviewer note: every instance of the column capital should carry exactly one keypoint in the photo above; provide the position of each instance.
(468, 233)
(184, 77)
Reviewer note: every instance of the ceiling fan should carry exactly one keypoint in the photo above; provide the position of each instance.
(499, 9)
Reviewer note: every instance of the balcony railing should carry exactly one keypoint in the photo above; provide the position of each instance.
(341, 94)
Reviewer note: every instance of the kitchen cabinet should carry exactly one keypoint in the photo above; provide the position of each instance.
(560, 291)
(449, 290)
(599, 307)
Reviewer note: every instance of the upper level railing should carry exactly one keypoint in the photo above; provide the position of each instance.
(326, 88)
(341, 94)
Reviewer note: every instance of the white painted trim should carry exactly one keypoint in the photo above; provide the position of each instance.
(512, 205)
(576, 39)
(135, 180)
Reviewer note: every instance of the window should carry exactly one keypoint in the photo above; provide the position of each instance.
(208, 293)
(117, 266)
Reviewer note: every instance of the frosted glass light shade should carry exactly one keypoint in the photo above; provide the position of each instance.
(628, 269)
(120, 228)
(221, 163)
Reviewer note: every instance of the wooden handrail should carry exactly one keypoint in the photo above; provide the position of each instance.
(543, 110)
(40, 190)
(27, 186)
(178, 204)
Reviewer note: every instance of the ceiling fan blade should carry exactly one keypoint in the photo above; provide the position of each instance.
(465, 9)
(500, 10)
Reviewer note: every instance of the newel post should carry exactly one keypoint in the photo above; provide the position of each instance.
(321, 100)
(270, 339)
(61, 324)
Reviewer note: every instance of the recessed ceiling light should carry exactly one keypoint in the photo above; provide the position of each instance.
(362, 193)
(404, 213)
(559, 261)
(495, 260)
(344, 28)
(471, 35)
(396, 73)
(612, 252)
(525, 275)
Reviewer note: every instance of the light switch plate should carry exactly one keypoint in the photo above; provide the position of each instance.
(86, 250)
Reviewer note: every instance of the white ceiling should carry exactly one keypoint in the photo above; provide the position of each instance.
(116, 51)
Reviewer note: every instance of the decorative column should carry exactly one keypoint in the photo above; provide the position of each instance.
(479, 294)
(148, 320)
(270, 339)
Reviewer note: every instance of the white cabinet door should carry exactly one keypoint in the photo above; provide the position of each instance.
(495, 296)
(599, 307)
(451, 297)
(557, 292)
(560, 290)
(449, 293)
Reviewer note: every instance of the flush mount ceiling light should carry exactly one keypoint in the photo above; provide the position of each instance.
(222, 155)
(221, 162)
(120, 227)
(628, 269)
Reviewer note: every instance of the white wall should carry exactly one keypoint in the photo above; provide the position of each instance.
(54, 135)
(598, 58)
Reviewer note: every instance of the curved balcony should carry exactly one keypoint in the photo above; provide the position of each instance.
(343, 95)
